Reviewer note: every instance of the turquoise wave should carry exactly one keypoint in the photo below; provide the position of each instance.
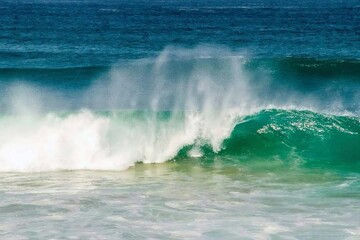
(294, 138)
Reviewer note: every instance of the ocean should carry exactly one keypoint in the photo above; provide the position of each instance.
(179, 119)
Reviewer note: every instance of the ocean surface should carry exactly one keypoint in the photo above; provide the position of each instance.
(179, 119)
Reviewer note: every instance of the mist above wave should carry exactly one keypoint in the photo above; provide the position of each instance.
(206, 90)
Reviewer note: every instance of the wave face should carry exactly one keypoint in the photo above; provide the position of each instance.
(300, 138)
(201, 103)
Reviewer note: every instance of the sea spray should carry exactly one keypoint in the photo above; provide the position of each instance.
(151, 111)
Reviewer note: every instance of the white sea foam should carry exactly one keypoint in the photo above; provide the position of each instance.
(87, 141)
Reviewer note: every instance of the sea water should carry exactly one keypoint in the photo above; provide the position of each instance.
(179, 119)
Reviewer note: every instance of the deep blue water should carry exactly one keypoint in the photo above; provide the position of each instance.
(52, 34)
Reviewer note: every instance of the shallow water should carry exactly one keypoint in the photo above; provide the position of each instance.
(189, 200)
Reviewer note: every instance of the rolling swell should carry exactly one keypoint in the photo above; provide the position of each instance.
(290, 66)
(53, 76)
(310, 67)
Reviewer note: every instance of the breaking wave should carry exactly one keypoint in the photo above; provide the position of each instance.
(192, 103)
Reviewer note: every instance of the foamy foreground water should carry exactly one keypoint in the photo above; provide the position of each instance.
(181, 200)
